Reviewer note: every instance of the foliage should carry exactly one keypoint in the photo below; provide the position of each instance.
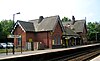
(65, 19)
(0, 31)
(93, 30)
(5, 28)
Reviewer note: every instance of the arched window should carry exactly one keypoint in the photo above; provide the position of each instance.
(59, 40)
(55, 40)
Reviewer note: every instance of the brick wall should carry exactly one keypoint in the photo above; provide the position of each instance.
(19, 31)
(30, 35)
(42, 37)
(57, 32)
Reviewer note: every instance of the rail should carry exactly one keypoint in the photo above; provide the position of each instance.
(79, 55)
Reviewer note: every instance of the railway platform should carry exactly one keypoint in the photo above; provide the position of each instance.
(43, 54)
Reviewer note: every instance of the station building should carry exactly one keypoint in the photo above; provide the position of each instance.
(49, 32)
(39, 33)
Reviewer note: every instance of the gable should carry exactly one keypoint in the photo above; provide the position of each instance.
(18, 30)
(25, 26)
(15, 26)
(59, 26)
(79, 26)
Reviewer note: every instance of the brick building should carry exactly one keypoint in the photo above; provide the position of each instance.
(46, 31)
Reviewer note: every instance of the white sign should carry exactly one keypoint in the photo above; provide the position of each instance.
(14, 36)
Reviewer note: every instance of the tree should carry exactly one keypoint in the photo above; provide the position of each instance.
(0, 31)
(65, 19)
(6, 26)
(93, 29)
(0, 28)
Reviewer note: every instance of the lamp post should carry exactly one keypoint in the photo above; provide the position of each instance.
(13, 27)
(14, 17)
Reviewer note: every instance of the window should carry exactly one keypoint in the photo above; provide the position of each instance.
(19, 41)
(55, 41)
(59, 41)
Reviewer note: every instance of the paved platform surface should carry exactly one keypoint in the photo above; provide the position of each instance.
(96, 58)
(29, 53)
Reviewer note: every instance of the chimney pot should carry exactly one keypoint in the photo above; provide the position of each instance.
(73, 19)
(40, 19)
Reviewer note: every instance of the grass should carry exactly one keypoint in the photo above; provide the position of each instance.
(2, 50)
(10, 50)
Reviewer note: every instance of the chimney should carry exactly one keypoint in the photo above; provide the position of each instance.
(73, 20)
(40, 19)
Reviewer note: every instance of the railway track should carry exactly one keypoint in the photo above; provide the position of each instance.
(85, 57)
(79, 56)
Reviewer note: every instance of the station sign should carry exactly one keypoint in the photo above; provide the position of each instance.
(14, 36)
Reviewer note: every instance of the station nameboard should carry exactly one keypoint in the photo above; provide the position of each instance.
(14, 36)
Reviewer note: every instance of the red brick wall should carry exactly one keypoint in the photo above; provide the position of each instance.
(19, 31)
(30, 35)
(42, 37)
(57, 31)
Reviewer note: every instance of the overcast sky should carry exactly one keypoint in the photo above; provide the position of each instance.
(32, 9)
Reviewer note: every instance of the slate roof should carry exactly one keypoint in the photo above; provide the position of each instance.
(78, 26)
(69, 32)
(28, 26)
(47, 24)
(35, 22)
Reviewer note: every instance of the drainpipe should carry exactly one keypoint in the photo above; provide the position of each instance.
(47, 40)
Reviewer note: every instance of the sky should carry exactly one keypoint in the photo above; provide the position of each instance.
(32, 9)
